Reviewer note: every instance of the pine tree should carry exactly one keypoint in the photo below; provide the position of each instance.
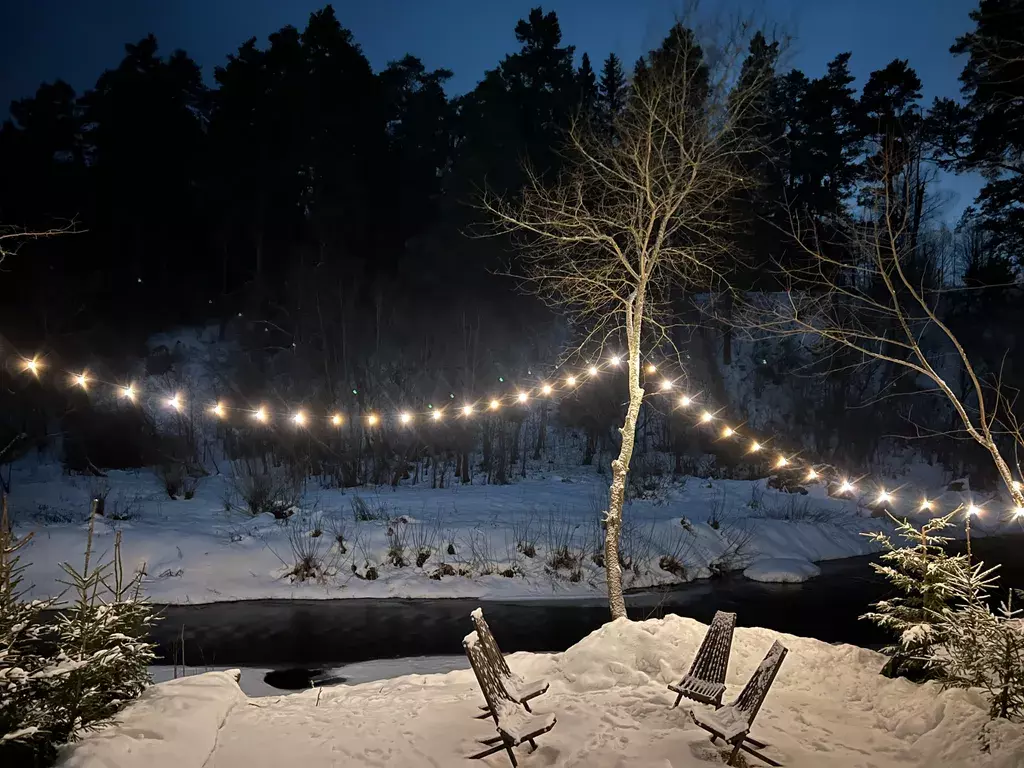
(586, 86)
(920, 572)
(612, 91)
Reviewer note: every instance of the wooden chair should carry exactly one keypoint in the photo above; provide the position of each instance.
(514, 723)
(705, 682)
(732, 723)
(520, 690)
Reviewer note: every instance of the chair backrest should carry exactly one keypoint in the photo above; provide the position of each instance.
(487, 675)
(752, 696)
(490, 645)
(712, 659)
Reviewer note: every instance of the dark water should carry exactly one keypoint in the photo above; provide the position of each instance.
(317, 632)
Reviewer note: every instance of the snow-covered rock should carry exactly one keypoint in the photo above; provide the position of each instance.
(828, 706)
(782, 570)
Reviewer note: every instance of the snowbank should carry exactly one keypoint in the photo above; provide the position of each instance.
(828, 706)
(172, 725)
(782, 570)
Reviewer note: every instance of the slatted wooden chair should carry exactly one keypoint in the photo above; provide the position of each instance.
(520, 690)
(514, 723)
(732, 723)
(705, 682)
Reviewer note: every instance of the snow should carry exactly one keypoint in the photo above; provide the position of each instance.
(194, 551)
(828, 706)
(782, 570)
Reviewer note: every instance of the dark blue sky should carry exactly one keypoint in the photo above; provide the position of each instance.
(74, 39)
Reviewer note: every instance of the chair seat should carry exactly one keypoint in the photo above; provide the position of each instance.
(727, 723)
(700, 690)
(519, 725)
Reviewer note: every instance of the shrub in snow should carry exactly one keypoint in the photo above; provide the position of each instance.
(920, 570)
(62, 679)
(265, 488)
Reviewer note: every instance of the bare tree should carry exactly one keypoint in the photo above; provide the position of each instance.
(632, 218)
(871, 292)
(12, 238)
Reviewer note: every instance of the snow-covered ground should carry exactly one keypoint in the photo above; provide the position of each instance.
(539, 537)
(827, 707)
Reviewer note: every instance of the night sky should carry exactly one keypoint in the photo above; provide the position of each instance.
(42, 40)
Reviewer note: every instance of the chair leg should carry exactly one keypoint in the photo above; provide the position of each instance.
(527, 706)
(482, 715)
(755, 742)
(758, 755)
(492, 740)
(487, 752)
(533, 744)
(735, 751)
(511, 756)
(678, 699)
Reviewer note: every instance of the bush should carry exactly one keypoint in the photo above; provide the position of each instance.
(265, 489)
(365, 512)
(311, 560)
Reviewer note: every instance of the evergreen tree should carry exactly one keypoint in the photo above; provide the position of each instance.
(612, 93)
(586, 86)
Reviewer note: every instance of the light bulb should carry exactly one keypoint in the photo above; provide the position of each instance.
(755, 447)
(812, 474)
(666, 385)
(546, 389)
(1018, 511)
(82, 380)
(846, 487)
(32, 366)
(571, 381)
(926, 504)
(372, 419)
(652, 368)
(405, 417)
(299, 418)
(436, 415)
(260, 414)
(615, 360)
(782, 461)
(728, 432)
(592, 370)
(973, 510)
(174, 402)
(467, 410)
(884, 497)
(336, 420)
(684, 401)
(706, 417)
(495, 405)
(218, 411)
(128, 392)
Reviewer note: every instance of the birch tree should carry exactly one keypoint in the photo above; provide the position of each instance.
(641, 212)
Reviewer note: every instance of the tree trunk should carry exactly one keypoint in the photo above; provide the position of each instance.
(620, 465)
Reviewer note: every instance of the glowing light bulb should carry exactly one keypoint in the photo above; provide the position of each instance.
(405, 417)
(128, 392)
(494, 405)
(592, 370)
(847, 487)
(523, 397)
(884, 497)
(812, 474)
(467, 410)
(372, 419)
(1018, 511)
(973, 510)
(666, 385)
(436, 415)
(32, 366)
(615, 360)
(782, 461)
(652, 368)
(546, 389)
(260, 414)
(336, 420)
(82, 380)
(706, 417)
(728, 432)
(174, 402)
(218, 411)
(685, 401)
(755, 447)
(299, 418)
(571, 381)
(926, 504)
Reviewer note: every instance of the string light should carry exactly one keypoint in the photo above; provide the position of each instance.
(812, 474)
(652, 368)
(1018, 511)
(336, 420)
(728, 432)
(523, 397)
(260, 414)
(847, 487)
(495, 405)
(372, 419)
(546, 389)
(926, 505)
(82, 380)
(755, 447)
(128, 392)
(174, 402)
(436, 415)
(467, 410)
(973, 510)
(592, 370)
(685, 401)
(571, 381)
(405, 417)
(615, 360)
(299, 418)
(884, 497)
(218, 410)
(32, 366)
(706, 417)
(666, 385)
(782, 461)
